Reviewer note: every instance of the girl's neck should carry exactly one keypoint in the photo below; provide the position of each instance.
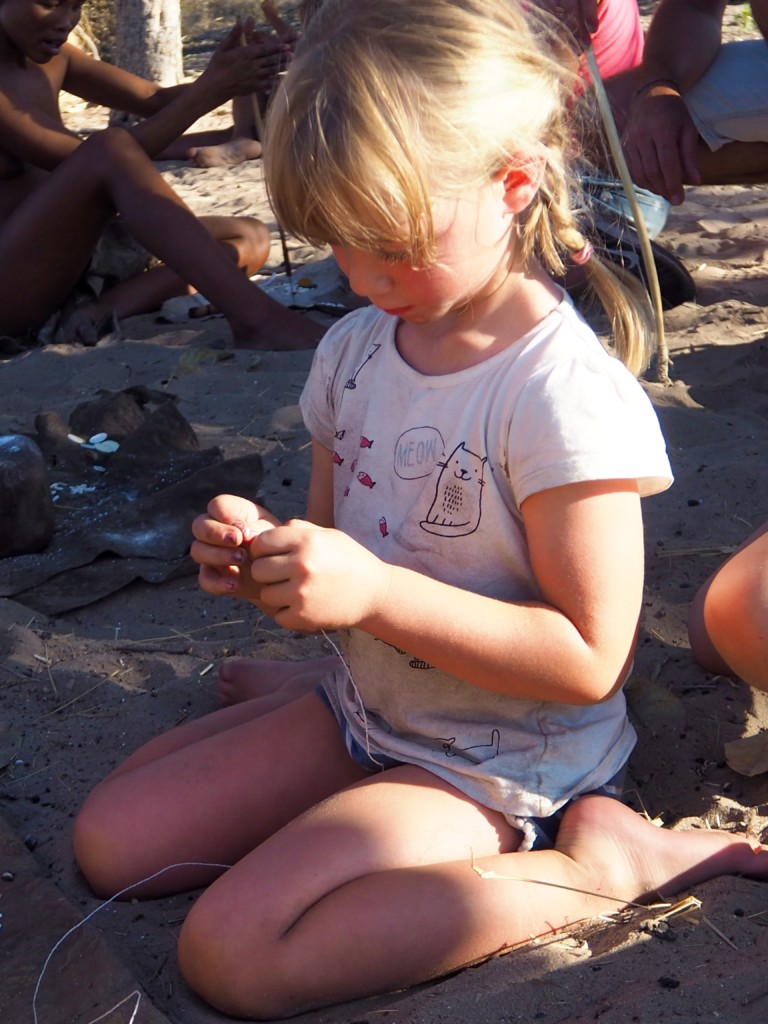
(480, 329)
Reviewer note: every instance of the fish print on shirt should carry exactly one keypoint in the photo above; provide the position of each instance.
(413, 661)
(352, 382)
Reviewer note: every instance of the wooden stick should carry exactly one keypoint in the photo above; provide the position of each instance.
(258, 121)
(662, 369)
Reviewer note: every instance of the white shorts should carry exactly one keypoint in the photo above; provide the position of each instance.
(729, 103)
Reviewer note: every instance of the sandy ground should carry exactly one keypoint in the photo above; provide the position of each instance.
(81, 689)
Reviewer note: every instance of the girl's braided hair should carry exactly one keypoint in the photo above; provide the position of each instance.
(391, 103)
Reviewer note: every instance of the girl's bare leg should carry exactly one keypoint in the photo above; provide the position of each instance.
(210, 794)
(346, 884)
(51, 236)
(272, 683)
(377, 889)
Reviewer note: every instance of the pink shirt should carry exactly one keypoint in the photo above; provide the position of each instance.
(618, 41)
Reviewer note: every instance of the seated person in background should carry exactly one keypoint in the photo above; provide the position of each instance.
(728, 625)
(613, 26)
(57, 194)
(614, 31)
(241, 142)
(695, 113)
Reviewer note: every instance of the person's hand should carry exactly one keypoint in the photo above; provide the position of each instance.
(316, 578)
(660, 143)
(246, 61)
(578, 16)
(285, 32)
(220, 548)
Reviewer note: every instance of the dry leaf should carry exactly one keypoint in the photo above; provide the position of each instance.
(748, 755)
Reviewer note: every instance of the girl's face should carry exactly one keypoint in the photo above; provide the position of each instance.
(472, 237)
(37, 29)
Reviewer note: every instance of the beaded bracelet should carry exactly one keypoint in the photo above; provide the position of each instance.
(657, 81)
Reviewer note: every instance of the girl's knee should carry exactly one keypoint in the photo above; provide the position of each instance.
(228, 974)
(98, 847)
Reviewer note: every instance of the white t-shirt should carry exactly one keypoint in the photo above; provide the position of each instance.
(430, 473)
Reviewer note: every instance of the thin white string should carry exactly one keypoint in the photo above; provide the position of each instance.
(101, 906)
(343, 661)
(117, 1006)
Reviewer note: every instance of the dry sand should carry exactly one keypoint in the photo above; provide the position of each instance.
(80, 690)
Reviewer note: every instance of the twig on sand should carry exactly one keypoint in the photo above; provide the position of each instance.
(711, 549)
(67, 703)
(719, 934)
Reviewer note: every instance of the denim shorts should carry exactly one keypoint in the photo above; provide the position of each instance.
(729, 103)
(538, 833)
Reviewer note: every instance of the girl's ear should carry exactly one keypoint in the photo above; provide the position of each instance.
(521, 183)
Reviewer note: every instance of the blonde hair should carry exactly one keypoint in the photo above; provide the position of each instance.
(389, 104)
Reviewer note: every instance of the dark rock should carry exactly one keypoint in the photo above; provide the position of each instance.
(26, 507)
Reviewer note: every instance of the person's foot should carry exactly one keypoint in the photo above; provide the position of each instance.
(227, 154)
(85, 325)
(273, 682)
(273, 328)
(623, 855)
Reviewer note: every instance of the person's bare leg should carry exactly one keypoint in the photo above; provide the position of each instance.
(246, 240)
(231, 153)
(272, 683)
(51, 236)
(726, 626)
(736, 163)
(210, 800)
(399, 879)
(223, 149)
(179, 148)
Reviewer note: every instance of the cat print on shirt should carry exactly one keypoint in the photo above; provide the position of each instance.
(456, 507)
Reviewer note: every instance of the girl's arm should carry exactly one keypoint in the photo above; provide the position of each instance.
(576, 644)
(573, 646)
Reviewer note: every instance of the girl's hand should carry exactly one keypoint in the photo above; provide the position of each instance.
(245, 62)
(316, 578)
(221, 542)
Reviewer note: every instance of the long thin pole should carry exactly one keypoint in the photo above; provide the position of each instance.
(662, 367)
(258, 121)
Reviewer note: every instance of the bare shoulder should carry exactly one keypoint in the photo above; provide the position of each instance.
(30, 121)
(33, 88)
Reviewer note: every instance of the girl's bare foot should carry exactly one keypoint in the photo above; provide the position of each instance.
(274, 683)
(227, 154)
(623, 855)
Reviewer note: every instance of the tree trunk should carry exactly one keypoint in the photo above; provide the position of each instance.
(148, 39)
